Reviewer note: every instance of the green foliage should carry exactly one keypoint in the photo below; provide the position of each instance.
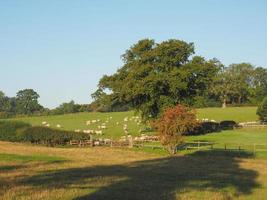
(27, 102)
(10, 129)
(157, 76)
(262, 110)
(16, 131)
(43, 135)
(205, 127)
(240, 84)
(228, 125)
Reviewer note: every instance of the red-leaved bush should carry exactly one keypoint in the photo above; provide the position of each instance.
(173, 124)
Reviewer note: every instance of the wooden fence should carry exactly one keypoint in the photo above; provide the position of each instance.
(202, 145)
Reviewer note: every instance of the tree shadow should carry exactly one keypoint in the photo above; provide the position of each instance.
(161, 178)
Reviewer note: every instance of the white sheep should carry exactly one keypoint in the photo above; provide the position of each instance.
(99, 132)
(77, 130)
(44, 123)
(47, 125)
(58, 126)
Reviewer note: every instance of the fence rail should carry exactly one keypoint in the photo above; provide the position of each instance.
(200, 145)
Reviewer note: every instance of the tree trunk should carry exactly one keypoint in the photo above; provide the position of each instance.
(224, 103)
(239, 99)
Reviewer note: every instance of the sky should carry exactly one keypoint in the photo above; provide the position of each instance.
(61, 48)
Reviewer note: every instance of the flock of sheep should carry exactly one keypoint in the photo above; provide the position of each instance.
(102, 125)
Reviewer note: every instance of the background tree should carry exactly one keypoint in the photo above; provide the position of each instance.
(174, 123)
(66, 108)
(27, 102)
(259, 90)
(238, 84)
(156, 76)
(262, 110)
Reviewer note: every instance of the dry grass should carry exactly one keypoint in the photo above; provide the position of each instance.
(105, 173)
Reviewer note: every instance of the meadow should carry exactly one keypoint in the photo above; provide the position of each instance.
(78, 121)
(34, 172)
(37, 172)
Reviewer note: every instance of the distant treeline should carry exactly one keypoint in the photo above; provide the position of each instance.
(26, 103)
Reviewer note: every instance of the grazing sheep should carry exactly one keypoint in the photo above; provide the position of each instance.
(58, 126)
(88, 123)
(103, 127)
(47, 125)
(118, 123)
(44, 123)
(77, 131)
(99, 132)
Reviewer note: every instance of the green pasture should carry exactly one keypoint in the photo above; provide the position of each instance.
(78, 121)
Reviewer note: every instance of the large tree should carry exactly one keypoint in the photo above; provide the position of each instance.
(155, 76)
(27, 102)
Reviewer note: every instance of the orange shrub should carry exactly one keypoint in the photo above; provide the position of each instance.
(173, 124)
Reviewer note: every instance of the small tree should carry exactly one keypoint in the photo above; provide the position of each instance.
(174, 123)
(262, 110)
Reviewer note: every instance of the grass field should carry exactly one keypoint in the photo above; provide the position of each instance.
(78, 121)
(32, 172)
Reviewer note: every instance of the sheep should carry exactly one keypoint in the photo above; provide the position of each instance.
(118, 123)
(47, 125)
(94, 121)
(126, 119)
(99, 132)
(77, 130)
(103, 127)
(88, 122)
(44, 123)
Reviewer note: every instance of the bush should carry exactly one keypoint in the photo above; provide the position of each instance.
(206, 127)
(228, 125)
(48, 136)
(262, 110)
(15, 131)
(10, 129)
(174, 123)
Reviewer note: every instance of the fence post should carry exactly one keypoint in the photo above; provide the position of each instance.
(254, 150)
(225, 147)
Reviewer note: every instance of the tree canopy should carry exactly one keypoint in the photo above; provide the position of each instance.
(159, 75)
(27, 102)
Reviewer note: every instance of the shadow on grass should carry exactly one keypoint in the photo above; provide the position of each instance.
(163, 178)
(7, 168)
(31, 158)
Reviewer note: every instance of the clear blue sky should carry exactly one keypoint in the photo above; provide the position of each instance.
(62, 48)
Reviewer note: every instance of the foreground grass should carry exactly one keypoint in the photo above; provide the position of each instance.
(108, 173)
(114, 130)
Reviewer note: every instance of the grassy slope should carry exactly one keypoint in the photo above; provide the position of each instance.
(105, 173)
(78, 121)
(238, 114)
